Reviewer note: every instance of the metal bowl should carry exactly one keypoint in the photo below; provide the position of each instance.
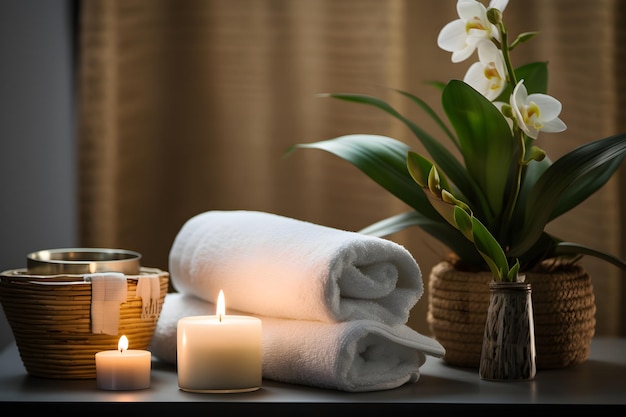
(83, 261)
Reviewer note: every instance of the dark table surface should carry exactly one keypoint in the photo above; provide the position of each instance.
(598, 382)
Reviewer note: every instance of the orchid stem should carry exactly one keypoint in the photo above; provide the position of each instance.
(508, 215)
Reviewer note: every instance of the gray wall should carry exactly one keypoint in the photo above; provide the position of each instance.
(37, 135)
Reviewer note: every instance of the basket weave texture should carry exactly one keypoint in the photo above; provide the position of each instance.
(563, 305)
(50, 319)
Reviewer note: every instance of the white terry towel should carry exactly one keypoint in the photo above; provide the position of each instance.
(108, 291)
(282, 267)
(149, 289)
(354, 356)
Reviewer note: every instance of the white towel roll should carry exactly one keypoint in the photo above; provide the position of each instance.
(282, 267)
(354, 356)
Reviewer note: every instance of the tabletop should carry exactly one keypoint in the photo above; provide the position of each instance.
(598, 382)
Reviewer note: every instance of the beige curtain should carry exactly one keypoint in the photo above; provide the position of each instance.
(189, 105)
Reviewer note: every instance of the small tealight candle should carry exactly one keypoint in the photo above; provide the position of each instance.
(220, 353)
(123, 369)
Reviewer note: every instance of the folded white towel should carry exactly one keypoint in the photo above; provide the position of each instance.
(108, 291)
(282, 267)
(355, 356)
(149, 289)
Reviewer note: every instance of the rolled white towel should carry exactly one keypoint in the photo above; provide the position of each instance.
(282, 267)
(354, 356)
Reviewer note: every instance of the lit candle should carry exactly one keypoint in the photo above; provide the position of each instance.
(220, 353)
(123, 369)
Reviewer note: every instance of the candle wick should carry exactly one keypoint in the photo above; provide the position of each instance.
(220, 318)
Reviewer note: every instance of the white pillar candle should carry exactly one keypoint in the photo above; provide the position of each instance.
(123, 369)
(219, 353)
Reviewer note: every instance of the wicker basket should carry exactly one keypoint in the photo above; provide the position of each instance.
(50, 319)
(563, 305)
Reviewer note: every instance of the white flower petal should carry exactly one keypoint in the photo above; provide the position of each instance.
(530, 131)
(498, 4)
(462, 55)
(475, 77)
(490, 87)
(550, 107)
(470, 9)
(452, 37)
(462, 35)
(487, 52)
(553, 126)
(536, 112)
(518, 98)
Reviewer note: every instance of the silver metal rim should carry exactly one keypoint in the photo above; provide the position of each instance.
(83, 261)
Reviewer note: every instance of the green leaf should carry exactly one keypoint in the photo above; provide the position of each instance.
(420, 167)
(486, 141)
(531, 174)
(584, 187)
(571, 170)
(487, 246)
(437, 84)
(440, 230)
(445, 209)
(535, 76)
(523, 37)
(569, 248)
(512, 275)
(421, 103)
(381, 158)
(444, 159)
(490, 249)
(542, 249)
(463, 223)
(396, 223)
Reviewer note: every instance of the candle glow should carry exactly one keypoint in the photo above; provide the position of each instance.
(219, 353)
(123, 369)
(122, 345)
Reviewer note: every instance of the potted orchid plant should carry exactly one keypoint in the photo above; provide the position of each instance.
(491, 206)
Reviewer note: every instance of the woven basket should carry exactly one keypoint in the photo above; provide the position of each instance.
(563, 305)
(50, 319)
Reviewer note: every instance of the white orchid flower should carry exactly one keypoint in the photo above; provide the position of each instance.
(461, 36)
(488, 76)
(536, 112)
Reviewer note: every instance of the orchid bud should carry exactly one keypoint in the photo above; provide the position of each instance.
(507, 111)
(494, 16)
(447, 197)
(536, 154)
(434, 184)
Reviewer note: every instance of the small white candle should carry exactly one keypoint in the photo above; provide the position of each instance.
(220, 353)
(123, 369)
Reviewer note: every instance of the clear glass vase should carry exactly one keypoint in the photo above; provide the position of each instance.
(508, 351)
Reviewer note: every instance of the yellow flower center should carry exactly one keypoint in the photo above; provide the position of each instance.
(475, 23)
(531, 115)
(492, 74)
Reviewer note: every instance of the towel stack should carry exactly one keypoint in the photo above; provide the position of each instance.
(333, 303)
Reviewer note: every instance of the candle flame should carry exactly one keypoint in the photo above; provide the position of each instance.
(221, 305)
(122, 345)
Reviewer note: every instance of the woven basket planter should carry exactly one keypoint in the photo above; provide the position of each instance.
(50, 319)
(563, 304)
